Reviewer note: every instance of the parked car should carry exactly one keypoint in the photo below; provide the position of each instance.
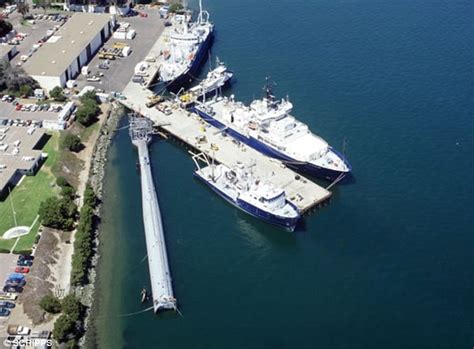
(18, 106)
(26, 257)
(15, 330)
(8, 305)
(15, 289)
(7, 296)
(23, 270)
(15, 283)
(4, 312)
(24, 263)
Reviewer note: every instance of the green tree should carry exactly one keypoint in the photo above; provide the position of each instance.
(87, 112)
(44, 4)
(64, 328)
(5, 27)
(71, 142)
(26, 90)
(68, 192)
(82, 245)
(88, 96)
(50, 304)
(23, 8)
(13, 77)
(72, 307)
(58, 213)
(175, 8)
(90, 199)
(57, 94)
(62, 182)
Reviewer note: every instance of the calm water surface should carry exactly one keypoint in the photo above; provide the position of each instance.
(389, 263)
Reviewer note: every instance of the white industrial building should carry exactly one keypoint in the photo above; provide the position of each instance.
(7, 52)
(60, 59)
(20, 154)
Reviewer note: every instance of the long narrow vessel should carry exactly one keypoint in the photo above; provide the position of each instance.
(267, 126)
(187, 46)
(242, 189)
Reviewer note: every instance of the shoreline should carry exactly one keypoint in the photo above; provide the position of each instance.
(98, 161)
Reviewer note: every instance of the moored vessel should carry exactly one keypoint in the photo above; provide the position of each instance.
(267, 126)
(186, 47)
(259, 198)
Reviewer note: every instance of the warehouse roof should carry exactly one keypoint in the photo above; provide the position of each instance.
(17, 150)
(57, 54)
(4, 49)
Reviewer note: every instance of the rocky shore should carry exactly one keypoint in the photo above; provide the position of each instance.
(96, 177)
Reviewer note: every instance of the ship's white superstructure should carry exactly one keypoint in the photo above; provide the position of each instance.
(186, 42)
(260, 198)
(215, 79)
(268, 126)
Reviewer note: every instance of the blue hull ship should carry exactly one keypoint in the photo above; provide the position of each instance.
(187, 78)
(259, 199)
(331, 166)
(185, 47)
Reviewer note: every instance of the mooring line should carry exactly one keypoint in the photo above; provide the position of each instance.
(125, 315)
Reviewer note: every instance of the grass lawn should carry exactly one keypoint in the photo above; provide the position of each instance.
(87, 132)
(28, 195)
(28, 240)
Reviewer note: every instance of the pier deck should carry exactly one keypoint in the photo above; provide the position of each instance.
(190, 129)
(160, 275)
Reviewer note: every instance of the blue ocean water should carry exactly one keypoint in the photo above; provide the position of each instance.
(389, 263)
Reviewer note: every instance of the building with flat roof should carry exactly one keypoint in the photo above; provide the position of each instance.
(7, 52)
(19, 154)
(117, 7)
(60, 58)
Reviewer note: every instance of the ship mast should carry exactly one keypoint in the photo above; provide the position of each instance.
(203, 16)
(268, 89)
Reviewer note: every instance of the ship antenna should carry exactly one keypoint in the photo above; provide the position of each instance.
(268, 89)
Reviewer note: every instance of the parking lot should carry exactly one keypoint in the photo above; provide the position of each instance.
(7, 265)
(121, 70)
(8, 111)
(35, 33)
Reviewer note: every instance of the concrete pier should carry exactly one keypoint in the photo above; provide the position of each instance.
(191, 130)
(160, 276)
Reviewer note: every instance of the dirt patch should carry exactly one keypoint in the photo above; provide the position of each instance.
(39, 280)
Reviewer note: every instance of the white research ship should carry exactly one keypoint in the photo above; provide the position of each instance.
(259, 198)
(186, 47)
(267, 126)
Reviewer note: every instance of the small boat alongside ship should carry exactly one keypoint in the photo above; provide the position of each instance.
(259, 198)
(215, 80)
(267, 126)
